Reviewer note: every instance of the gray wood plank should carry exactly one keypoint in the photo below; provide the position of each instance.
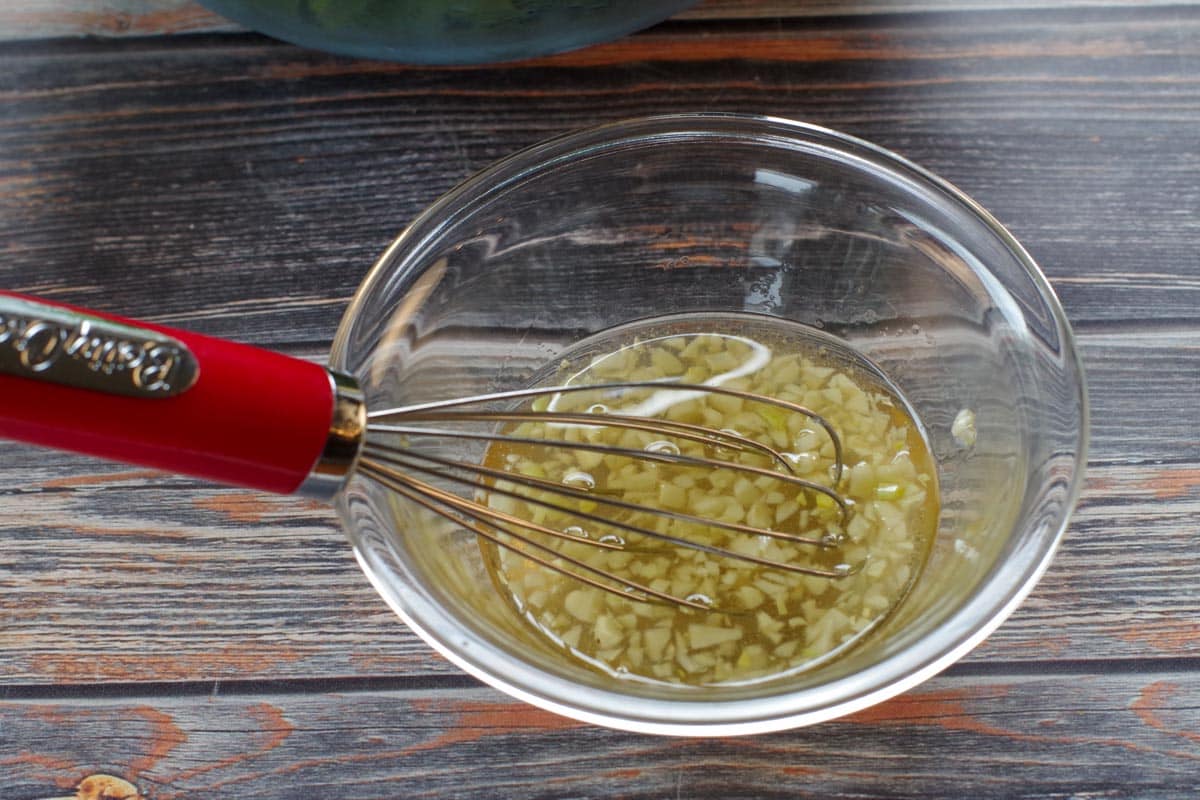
(1080, 137)
(1046, 736)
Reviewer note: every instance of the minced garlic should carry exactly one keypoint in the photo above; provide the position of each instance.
(764, 621)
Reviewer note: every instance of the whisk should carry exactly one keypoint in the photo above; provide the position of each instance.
(192, 404)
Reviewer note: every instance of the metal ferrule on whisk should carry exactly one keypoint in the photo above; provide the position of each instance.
(343, 443)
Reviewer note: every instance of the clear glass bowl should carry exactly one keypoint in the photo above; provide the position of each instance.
(725, 213)
(445, 31)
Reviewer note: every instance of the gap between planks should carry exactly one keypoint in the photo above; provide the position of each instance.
(122, 692)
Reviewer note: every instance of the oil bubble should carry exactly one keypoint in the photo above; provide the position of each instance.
(578, 479)
(663, 447)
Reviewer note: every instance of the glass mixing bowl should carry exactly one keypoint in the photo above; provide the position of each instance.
(445, 32)
(703, 214)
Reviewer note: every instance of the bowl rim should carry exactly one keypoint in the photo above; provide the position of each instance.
(431, 51)
(964, 629)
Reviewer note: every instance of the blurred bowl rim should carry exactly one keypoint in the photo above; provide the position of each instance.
(431, 51)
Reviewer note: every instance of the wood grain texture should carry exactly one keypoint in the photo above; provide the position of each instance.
(41, 19)
(242, 188)
(118, 163)
(114, 576)
(1075, 736)
(1080, 137)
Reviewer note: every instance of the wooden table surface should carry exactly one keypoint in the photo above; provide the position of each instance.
(206, 642)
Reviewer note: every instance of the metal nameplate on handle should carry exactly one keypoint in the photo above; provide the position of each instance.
(70, 348)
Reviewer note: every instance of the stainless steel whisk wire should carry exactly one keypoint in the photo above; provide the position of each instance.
(405, 470)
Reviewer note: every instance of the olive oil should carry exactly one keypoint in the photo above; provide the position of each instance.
(762, 622)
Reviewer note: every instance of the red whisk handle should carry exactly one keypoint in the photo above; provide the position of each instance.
(145, 394)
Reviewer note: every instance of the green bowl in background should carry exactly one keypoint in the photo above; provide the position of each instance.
(447, 31)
